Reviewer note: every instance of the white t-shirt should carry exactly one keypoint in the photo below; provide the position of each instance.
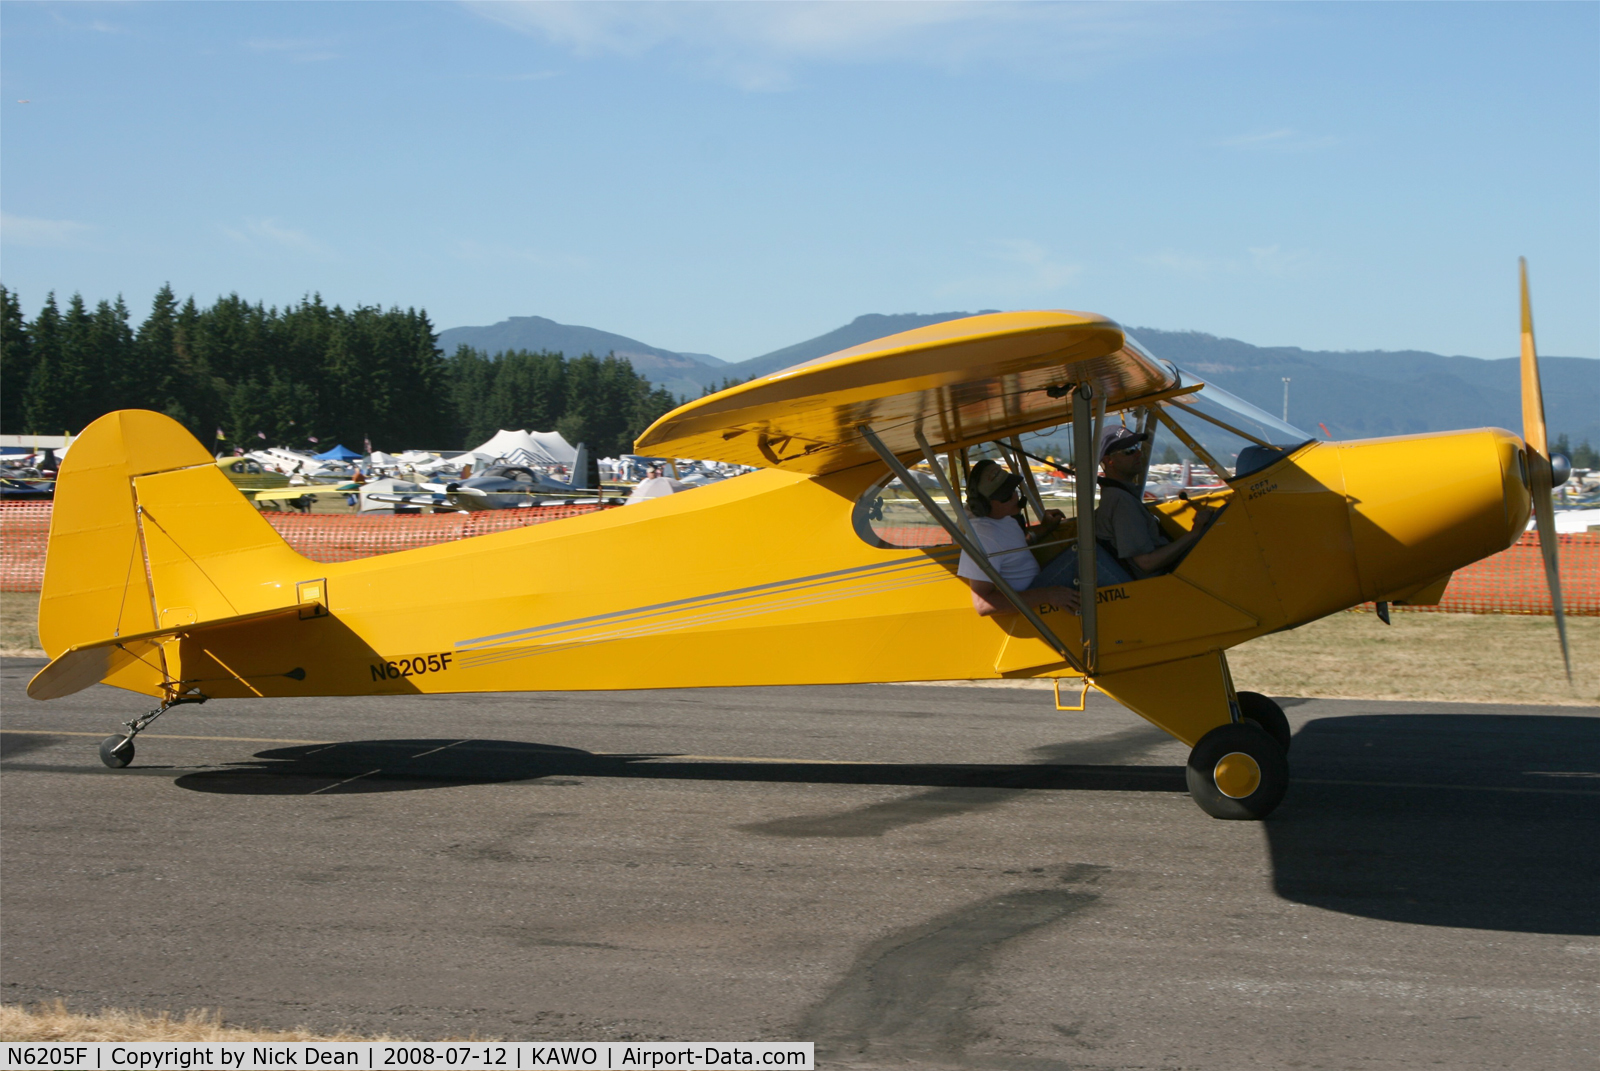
(1006, 544)
(655, 487)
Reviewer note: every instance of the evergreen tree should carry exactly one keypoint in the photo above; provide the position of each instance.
(111, 363)
(16, 362)
(155, 348)
(472, 378)
(51, 384)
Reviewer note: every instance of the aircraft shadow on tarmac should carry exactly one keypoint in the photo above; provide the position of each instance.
(401, 765)
(1479, 821)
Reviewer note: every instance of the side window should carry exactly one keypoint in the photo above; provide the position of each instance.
(888, 515)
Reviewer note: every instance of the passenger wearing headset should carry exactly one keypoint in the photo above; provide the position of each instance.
(994, 502)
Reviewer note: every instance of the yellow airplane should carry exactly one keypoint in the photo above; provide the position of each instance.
(161, 579)
(249, 476)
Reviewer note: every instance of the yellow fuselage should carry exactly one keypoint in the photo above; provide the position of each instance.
(764, 579)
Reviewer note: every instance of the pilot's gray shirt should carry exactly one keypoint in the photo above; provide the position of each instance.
(1121, 521)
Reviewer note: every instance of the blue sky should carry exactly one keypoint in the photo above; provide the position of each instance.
(732, 178)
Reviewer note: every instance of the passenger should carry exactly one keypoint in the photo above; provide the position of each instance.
(655, 485)
(994, 501)
(1122, 524)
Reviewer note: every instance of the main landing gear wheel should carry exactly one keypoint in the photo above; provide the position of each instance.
(116, 751)
(1266, 713)
(1238, 771)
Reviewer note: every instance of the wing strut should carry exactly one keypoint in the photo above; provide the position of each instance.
(949, 488)
(970, 546)
(1085, 440)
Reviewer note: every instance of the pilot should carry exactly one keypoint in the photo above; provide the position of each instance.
(994, 500)
(1121, 522)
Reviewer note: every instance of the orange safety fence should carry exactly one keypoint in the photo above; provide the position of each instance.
(1511, 582)
(322, 537)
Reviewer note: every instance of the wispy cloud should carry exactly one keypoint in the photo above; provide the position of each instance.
(1042, 271)
(762, 46)
(1265, 260)
(101, 26)
(1274, 260)
(1192, 265)
(43, 233)
(476, 252)
(295, 50)
(267, 233)
(1020, 270)
(1285, 139)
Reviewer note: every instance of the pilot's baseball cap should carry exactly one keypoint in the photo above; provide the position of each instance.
(1116, 437)
(993, 482)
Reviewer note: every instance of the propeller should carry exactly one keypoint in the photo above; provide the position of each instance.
(1540, 475)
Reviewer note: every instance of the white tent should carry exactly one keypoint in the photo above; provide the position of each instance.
(527, 448)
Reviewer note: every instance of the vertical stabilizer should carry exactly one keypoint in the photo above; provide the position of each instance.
(585, 474)
(146, 533)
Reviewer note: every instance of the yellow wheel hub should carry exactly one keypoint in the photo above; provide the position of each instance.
(1237, 775)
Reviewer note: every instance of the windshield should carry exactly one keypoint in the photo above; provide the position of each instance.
(1239, 437)
(1212, 401)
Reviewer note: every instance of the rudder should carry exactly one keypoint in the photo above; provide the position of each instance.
(146, 533)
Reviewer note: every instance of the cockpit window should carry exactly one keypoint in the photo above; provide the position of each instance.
(888, 515)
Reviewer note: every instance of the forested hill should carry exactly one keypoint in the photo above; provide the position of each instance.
(1356, 395)
(861, 329)
(684, 374)
(1362, 395)
(315, 374)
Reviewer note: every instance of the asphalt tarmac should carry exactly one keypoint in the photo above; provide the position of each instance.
(906, 876)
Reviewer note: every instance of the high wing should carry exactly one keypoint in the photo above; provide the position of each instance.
(960, 382)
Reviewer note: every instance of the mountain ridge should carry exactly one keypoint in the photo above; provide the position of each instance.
(1356, 394)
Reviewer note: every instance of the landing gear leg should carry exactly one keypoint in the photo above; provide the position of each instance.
(1266, 713)
(117, 751)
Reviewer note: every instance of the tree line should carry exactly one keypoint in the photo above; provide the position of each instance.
(305, 376)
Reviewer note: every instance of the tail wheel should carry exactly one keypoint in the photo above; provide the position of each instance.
(1238, 771)
(116, 751)
(1257, 708)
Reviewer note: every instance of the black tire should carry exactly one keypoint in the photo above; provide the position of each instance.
(1254, 706)
(1254, 778)
(116, 751)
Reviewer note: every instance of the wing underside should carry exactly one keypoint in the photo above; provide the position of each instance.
(960, 382)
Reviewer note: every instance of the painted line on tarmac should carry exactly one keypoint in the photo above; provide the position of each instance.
(332, 743)
(835, 762)
(166, 736)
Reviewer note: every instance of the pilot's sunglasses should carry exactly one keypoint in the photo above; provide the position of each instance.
(1127, 450)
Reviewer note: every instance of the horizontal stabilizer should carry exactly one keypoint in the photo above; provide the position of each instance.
(84, 664)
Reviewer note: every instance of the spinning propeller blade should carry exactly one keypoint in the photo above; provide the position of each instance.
(1539, 475)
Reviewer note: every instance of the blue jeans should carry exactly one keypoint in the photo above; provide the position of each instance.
(1062, 570)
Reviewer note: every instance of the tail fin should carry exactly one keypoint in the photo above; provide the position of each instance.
(585, 471)
(146, 534)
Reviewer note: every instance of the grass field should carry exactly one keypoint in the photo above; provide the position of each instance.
(1466, 658)
(53, 1022)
